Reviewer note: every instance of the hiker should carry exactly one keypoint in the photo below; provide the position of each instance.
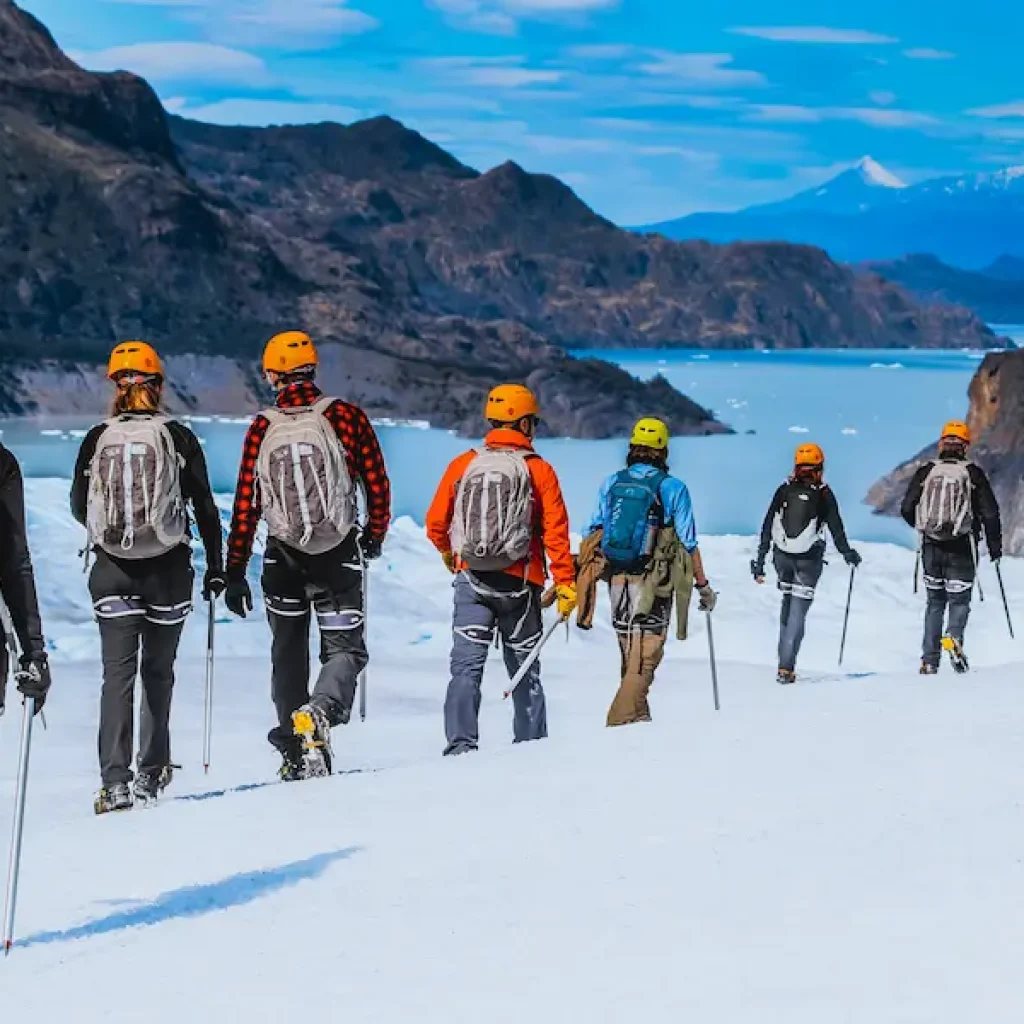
(643, 540)
(302, 464)
(135, 475)
(794, 528)
(950, 502)
(18, 590)
(497, 519)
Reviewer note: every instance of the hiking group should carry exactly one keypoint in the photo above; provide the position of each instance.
(312, 470)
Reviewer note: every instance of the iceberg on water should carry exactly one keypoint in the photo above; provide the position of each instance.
(849, 431)
(886, 366)
(799, 430)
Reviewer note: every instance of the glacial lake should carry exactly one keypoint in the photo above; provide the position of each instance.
(868, 409)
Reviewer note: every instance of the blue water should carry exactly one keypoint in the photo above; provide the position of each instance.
(869, 410)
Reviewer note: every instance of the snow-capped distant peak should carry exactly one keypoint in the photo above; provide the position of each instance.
(873, 173)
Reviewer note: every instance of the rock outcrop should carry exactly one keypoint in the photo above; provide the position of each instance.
(996, 419)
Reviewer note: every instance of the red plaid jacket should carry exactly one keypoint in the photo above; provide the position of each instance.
(365, 464)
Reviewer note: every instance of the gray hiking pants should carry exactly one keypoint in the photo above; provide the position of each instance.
(141, 609)
(480, 613)
(332, 588)
(798, 579)
(949, 575)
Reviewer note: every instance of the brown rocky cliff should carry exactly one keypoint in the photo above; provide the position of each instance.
(996, 419)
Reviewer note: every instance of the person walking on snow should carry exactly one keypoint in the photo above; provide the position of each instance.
(648, 541)
(794, 529)
(18, 590)
(949, 502)
(301, 464)
(135, 476)
(496, 515)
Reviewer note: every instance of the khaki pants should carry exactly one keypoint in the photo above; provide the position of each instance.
(641, 656)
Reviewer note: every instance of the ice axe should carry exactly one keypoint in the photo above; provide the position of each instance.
(714, 664)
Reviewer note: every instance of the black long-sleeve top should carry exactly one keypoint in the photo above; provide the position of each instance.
(827, 512)
(17, 580)
(195, 487)
(984, 509)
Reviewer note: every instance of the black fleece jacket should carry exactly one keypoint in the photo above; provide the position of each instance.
(195, 487)
(826, 511)
(17, 580)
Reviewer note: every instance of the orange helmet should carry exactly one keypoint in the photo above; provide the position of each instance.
(957, 429)
(135, 356)
(292, 350)
(508, 403)
(809, 455)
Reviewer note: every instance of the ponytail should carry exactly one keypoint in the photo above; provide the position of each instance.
(142, 396)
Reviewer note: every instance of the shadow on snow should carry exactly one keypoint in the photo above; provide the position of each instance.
(249, 787)
(198, 900)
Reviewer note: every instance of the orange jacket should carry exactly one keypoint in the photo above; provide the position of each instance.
(551, 530)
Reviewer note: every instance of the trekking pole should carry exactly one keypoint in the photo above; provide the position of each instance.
(917, 568)
(532, 657)
(14, 864)
(208, 701)
(366, 601)
(714, 664)
(846, 617)
(1006, 604)
(977, 569)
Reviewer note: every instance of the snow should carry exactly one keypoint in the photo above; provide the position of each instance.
(873, 173)
(845, 849)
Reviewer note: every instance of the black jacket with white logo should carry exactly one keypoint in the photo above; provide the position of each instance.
(822, 510)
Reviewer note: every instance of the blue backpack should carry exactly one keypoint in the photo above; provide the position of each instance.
(631, 508)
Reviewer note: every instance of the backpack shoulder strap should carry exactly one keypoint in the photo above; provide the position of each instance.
(323, 403)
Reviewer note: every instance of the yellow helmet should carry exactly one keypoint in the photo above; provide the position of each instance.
(134, 356)
(508, 403)
(651, 433)
(289, 351)
(957, 429)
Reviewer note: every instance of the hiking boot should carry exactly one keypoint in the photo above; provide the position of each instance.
(150, 784)
(929, 669)
(313, 730)
(117, 797)
(293, 767)
(785, 676)
(955, 650)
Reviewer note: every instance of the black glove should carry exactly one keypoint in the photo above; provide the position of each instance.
(853, 558)
(370, 545)
(996, 554)
(239, 596)
(757, 569)
(33, 679)
(215, 582)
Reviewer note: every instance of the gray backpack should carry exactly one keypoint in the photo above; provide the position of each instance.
(135, 507)
(945, 510)
(309, 501)
(492, 527)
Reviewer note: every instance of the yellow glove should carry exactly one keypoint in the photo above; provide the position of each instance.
(566, 599)
(448, 557)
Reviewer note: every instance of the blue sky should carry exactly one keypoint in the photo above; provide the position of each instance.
(649, 108)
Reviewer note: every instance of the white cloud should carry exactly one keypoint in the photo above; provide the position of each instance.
(813, 34)
(600, 51)
(502, 17)
(169, 62)
(245, 111)
(927, 53)
(700, 70)
(288, 24)
(493, 72)
(878, 117)
(1015, 109)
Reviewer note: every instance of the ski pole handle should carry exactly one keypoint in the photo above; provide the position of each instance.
(532, 657)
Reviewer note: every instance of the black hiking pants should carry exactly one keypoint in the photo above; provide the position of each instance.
(295, 586)
(798, 580)
(141, 607)
(949, 574)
